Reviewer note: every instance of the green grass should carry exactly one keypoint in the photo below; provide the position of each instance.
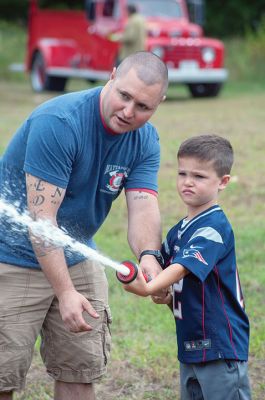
(144, 333)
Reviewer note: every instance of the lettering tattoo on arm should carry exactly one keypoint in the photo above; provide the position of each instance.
(140, 196)
(40, 197)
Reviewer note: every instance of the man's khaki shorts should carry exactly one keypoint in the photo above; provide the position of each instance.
(28, 308)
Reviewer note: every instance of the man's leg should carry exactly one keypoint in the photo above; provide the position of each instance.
(73, 391)
(24, 301)
(76, 360)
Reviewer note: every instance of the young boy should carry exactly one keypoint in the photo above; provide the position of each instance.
(200, 262)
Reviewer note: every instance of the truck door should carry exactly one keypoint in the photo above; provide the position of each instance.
(105, 17)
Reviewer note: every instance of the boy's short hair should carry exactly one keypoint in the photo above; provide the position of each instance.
(209, 148)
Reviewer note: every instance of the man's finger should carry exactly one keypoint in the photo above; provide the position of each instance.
(90, 310)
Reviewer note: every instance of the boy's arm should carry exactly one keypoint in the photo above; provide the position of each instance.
(173, 273)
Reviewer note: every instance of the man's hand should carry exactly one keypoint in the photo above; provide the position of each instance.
(150, 267)
(72, 305)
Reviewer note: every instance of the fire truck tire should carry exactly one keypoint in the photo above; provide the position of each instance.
(41, 81)
(204, 89)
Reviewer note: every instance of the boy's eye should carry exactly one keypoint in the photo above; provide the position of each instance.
(199, 176)
(181, 173)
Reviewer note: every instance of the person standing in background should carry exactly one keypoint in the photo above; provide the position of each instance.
(134, 35)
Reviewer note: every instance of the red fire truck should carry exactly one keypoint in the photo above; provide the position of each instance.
(76, 43)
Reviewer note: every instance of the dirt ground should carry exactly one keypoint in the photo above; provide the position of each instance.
(125, 382)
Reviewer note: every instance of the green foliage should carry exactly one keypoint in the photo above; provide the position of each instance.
(12, 49)
(14, 10)
(245, 58)
(235, 17)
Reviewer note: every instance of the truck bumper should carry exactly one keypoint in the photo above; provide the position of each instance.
(197, 75)
(183, 75)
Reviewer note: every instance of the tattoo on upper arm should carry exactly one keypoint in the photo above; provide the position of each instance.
(39, 199)
(140, 196)
(56, 196)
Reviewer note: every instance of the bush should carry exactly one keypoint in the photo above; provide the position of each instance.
(245, 57)
(12, 49)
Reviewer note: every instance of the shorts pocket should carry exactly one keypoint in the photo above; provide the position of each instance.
(106, 340)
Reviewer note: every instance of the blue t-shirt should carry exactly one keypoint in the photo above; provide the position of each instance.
(65, 143)
(208, 306)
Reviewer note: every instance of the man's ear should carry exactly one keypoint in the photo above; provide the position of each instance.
(113, 74)
(224, 181)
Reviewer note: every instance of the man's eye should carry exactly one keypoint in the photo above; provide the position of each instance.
(142, 107)
(124, 96)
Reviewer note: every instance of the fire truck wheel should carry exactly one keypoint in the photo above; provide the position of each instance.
(204, 89)
(40, 80)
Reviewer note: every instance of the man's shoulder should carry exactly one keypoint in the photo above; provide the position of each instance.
(62, 105)
(148, 128)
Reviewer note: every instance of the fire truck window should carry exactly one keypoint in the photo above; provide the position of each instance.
(108, 8)
(158, 8)
(90, 8)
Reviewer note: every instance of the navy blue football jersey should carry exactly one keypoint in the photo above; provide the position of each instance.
(211, 322)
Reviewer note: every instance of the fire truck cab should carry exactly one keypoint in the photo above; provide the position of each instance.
(77, 43)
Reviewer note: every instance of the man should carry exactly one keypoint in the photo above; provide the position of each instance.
(67, 163)
(134, 35)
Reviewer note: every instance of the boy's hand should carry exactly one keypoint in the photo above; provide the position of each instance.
(162, 298)
(138, 285)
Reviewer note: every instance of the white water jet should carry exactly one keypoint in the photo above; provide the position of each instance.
(56, 236)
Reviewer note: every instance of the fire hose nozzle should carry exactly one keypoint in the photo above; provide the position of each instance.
(132, 272)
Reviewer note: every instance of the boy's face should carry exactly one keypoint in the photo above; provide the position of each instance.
(198, 184)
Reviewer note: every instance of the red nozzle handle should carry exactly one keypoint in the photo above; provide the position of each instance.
(132, 275)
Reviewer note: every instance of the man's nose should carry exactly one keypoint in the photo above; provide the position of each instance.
(128, 110)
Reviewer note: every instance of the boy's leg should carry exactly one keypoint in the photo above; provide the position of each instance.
(25, 297)
(189, 386)
(76, 360)
(223, 379)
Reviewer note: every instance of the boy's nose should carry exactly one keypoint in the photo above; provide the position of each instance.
(188, 181)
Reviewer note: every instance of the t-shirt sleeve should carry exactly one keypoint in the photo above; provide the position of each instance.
(202, 252)
(144, 175)
(51, 150)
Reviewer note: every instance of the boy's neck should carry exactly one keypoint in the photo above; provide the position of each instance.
(192, 212)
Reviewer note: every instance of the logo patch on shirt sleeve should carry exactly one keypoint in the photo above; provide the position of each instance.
(193, 251)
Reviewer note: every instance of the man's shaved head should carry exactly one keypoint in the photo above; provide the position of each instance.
(149, 68)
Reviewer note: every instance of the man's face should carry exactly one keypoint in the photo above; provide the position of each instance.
(127, 102)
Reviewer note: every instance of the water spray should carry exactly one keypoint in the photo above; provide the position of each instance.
(57, 236)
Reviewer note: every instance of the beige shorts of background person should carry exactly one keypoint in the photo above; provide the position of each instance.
(28, 308)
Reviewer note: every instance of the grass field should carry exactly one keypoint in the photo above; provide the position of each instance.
(144, 363)
(144, 356)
